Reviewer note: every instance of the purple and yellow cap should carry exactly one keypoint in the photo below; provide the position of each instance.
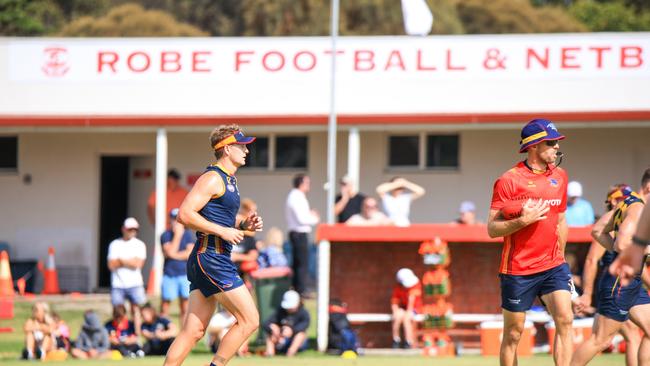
(620, 191)
(236, 138)
(536, 131)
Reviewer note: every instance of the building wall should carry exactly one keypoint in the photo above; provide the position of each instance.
(473, 272)
(61, 205)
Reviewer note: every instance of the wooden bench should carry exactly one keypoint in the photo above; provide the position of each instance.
(466, 331)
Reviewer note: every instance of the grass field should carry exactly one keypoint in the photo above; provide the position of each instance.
(72, 309)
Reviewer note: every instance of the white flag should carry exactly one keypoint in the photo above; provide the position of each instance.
(417, 17)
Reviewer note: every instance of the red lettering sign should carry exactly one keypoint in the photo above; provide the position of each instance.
(144, 62)
(170, 61)
(599, 55)
(106, 58)
(304, 55)
(273, 61)
(364, 60)
(198, 60)
(631, 57)
(420, 66)
(541, 60)
(395, 60)
(568, 58)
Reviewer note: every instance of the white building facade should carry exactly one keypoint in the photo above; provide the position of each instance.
(81, 121)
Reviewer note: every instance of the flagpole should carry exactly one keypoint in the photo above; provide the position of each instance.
(324, 246)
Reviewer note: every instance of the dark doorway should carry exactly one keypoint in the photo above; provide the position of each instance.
(113, 207)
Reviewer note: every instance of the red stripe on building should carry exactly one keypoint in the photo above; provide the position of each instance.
(320, 119)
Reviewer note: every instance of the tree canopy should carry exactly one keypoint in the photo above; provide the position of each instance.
(161, 18)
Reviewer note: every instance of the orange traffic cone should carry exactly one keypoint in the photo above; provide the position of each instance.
(151, 282)
(51, 286)
(6, 288)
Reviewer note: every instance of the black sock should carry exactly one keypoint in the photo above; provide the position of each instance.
(212, 364)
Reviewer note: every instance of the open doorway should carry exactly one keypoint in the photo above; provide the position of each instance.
(126, 182)
(114, 203)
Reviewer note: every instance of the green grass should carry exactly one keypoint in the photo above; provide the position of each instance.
(317, 360)
(72, 311)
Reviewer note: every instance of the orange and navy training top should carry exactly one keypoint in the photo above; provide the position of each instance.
(400, 296)
(534, 248)
(222, 210)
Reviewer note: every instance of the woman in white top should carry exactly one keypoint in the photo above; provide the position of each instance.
(396, 197)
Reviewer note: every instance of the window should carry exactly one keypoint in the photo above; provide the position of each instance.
(259, 153)
(442, 151)
(8, 153)
(403, 151)
(291, 152)
(278, 152)
(423, 151)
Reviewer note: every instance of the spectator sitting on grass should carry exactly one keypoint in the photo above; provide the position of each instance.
(121, 333)
(61, 333)
(157, 330)
(39, 330)
(286, 328)
(92, 342)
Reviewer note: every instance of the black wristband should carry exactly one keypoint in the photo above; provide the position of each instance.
(241, 225)
(640, 242)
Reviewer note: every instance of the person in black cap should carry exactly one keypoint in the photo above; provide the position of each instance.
(528, 210)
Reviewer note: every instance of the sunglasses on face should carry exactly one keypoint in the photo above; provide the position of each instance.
(552, 143)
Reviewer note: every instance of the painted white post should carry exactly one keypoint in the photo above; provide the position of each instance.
(161, 206)
(354, 156)
(323, 293)
(324, 250)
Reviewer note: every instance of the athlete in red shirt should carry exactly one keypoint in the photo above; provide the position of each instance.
(532, 262)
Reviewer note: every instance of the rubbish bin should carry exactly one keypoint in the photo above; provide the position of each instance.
(492, 334)
(270, 284)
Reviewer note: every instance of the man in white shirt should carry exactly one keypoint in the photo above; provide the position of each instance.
(300, 219)
(396, 196)
(126, 256)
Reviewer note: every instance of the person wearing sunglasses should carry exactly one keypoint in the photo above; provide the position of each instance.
(532, 261)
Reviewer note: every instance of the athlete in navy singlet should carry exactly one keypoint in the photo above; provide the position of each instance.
(211, 209)
(617, 303)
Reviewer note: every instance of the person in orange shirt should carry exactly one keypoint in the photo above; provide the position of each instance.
(175, 196)
(405, 302)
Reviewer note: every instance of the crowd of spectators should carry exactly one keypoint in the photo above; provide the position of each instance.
(149, 332)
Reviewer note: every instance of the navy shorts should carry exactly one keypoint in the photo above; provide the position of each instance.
(519, 292)
(212, 273)
(615, 302)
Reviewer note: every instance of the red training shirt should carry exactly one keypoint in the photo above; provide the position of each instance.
(534, 248)
(401, 294)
